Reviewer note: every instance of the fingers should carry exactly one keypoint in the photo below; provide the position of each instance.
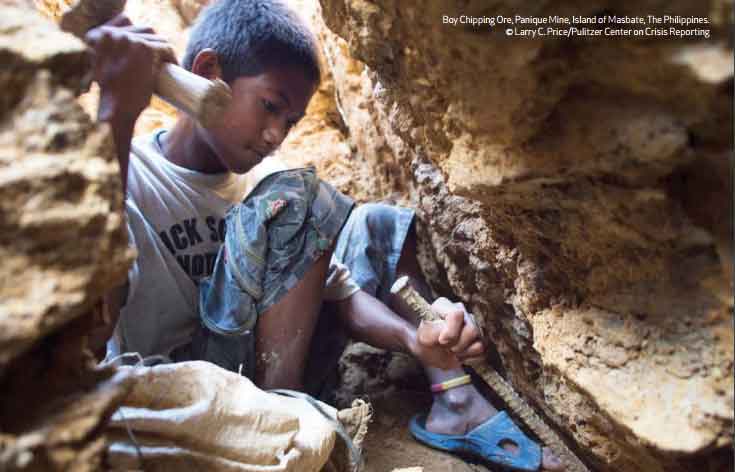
(458, 333)
(140, 29)
(111, 41)
(452, 331)
(96, 36)
(119, 20)
(123, 22)
(151, 38)
(120, 26)
(165, 52)
(428, 332)
(476, 349)
(469, 335)
(132, 34)
(453, 319)
(125, 59)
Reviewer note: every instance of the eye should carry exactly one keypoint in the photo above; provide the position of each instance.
(269, 106)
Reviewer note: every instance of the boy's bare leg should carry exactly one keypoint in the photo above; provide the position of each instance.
(284, 331)
(458, 410)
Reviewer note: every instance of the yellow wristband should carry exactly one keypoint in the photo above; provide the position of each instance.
(451, 383)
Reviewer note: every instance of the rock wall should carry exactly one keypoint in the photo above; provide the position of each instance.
(573, 193)
(170, 20)
(561, 185)
(63, 245)
(63, 238)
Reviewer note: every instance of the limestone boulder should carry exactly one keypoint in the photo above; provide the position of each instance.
(320, 139)
(64, 238)
(189, 9)
(560, 184)
(63, 245)
(572, 193)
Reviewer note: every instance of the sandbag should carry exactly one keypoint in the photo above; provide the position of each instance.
(193, 416)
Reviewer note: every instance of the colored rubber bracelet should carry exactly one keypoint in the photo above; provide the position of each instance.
(451, 383)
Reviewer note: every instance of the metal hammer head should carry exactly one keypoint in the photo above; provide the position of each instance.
(86, 14)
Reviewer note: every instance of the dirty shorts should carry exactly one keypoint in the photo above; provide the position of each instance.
(289, 220)
(369, 244)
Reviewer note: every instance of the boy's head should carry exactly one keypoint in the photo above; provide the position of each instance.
(252, 35)
(270, 59)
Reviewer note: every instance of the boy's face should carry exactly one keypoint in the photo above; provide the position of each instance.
(263, 110)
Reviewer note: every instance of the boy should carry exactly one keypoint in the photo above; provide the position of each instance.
(181, 183)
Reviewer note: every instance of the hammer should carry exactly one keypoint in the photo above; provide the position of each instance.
(515, 403)
(202, 99)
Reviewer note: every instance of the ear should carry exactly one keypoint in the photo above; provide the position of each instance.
(206, 64)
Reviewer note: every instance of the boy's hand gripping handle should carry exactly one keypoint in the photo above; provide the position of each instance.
(515, 403)
(202, 99)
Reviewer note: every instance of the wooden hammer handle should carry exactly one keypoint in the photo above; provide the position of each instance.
(202, 99)
(515, 403)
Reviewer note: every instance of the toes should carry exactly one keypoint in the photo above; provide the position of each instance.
(509, 446)
(550, 461)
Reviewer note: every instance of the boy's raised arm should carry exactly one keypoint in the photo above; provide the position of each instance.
(125, 61)
(105, 320)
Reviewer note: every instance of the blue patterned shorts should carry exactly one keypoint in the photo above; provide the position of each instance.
(247, 279)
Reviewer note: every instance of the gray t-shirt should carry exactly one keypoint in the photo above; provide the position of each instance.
(175, 221)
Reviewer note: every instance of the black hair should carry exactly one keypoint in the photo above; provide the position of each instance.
(251, 35)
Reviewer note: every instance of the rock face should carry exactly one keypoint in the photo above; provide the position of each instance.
(63, 245)
(559, 183)
(169, 19)
(573, 193)
(189, 9)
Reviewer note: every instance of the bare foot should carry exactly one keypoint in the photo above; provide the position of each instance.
(461, 409)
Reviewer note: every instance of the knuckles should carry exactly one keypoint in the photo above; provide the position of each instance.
(425, 336)
(113, 41)
(472, 332)
(458, 332)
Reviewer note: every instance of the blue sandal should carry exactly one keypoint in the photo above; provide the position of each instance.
(484, 442)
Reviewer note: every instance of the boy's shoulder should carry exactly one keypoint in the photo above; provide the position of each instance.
(153, 177)
(147, 167)
(145, 150)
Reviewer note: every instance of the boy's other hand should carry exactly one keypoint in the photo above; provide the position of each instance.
(126, 59)
(456, 338)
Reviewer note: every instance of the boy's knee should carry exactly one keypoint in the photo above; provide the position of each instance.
(378, 216)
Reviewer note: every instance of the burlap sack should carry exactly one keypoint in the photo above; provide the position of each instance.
(194, 416)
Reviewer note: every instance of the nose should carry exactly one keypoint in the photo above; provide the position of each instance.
(274, 133)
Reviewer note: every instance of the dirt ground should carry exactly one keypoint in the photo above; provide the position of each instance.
(389, 444)
(397, 390)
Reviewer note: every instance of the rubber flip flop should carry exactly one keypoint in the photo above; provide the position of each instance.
(485, 442)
